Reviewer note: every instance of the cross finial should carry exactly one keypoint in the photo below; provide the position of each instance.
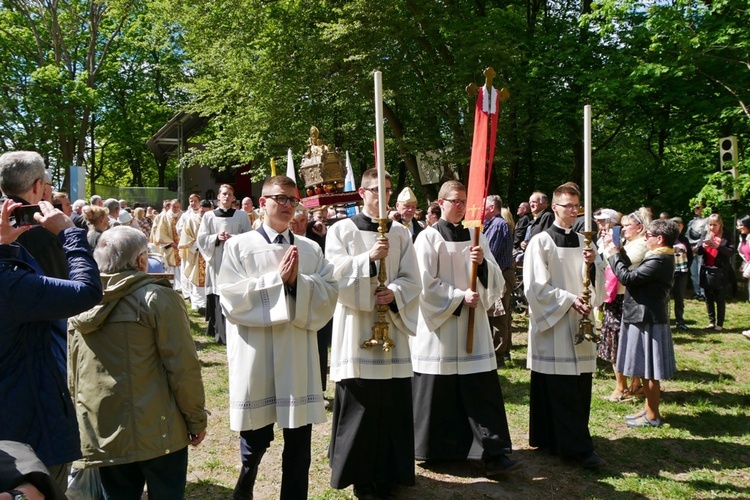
(489, 75)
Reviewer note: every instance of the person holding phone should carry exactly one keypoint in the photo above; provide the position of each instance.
(27, 182)
(716, 272)
(608, 221)
(646, 349)
(633, 243)
(30, 361)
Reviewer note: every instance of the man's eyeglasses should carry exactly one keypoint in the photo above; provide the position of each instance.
(283, 199)
(570, 207)
(649, 234)
(375, 190)
(458, 203)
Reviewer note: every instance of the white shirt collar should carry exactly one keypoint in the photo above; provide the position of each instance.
(272, 233)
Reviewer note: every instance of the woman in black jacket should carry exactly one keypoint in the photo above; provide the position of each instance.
(716, 271)
(646, 349)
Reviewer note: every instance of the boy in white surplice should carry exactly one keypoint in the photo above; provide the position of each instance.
(277, 290)
(561, 370)
(372, 440)
(459, 411)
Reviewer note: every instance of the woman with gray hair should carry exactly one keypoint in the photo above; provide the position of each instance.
(646, 349)
(135, 376)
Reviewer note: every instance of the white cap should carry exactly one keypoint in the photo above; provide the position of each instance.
(609, 215)
(406, 196)
(125, 217)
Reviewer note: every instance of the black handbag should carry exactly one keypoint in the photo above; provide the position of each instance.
(712, 277)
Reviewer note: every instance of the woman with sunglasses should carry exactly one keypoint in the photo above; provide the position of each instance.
(646, 349)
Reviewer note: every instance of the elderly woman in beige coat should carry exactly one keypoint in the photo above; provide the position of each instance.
(135, 377)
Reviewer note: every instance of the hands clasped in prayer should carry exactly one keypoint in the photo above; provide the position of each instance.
(289, 266)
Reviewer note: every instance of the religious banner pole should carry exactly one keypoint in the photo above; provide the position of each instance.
(380, 328)
(486, 112)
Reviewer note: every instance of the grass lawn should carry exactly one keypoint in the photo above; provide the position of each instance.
(702, 451)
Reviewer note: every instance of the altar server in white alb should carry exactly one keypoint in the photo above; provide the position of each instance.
(372, 441)
(276, 290)
(215, 230)
(561, 370)
(459, 411)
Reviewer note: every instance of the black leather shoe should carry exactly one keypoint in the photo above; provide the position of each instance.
(384, 491)
(365, 492)
(592, 461)
(500, 465)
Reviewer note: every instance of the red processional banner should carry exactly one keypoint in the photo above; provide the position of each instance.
(482, 152)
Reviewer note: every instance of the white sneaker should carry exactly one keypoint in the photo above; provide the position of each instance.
(746, 333)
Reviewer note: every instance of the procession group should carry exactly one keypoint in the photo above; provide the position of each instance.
(135, 395)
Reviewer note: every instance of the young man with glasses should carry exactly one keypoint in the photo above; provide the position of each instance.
(216, 228)
(451, 384)
(276, 290)
(372, 441)
(561, 371)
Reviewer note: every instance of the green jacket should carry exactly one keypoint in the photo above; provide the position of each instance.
(134, 374)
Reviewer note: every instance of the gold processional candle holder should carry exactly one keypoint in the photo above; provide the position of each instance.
(380, 328)
(586, 330)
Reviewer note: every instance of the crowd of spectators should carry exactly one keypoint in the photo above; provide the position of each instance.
(96, 324)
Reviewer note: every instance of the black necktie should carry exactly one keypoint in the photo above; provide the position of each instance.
(279, 239)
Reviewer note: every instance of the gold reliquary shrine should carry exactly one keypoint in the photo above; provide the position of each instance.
(322, 170)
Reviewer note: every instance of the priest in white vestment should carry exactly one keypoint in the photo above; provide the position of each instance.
(561, 370)
(459, 412)
(195, 264)
(194, 208)
(217, 227)
(372, 441)
(166, 237)
(276, 291)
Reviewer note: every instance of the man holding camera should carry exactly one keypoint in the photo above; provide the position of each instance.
(33, 390)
